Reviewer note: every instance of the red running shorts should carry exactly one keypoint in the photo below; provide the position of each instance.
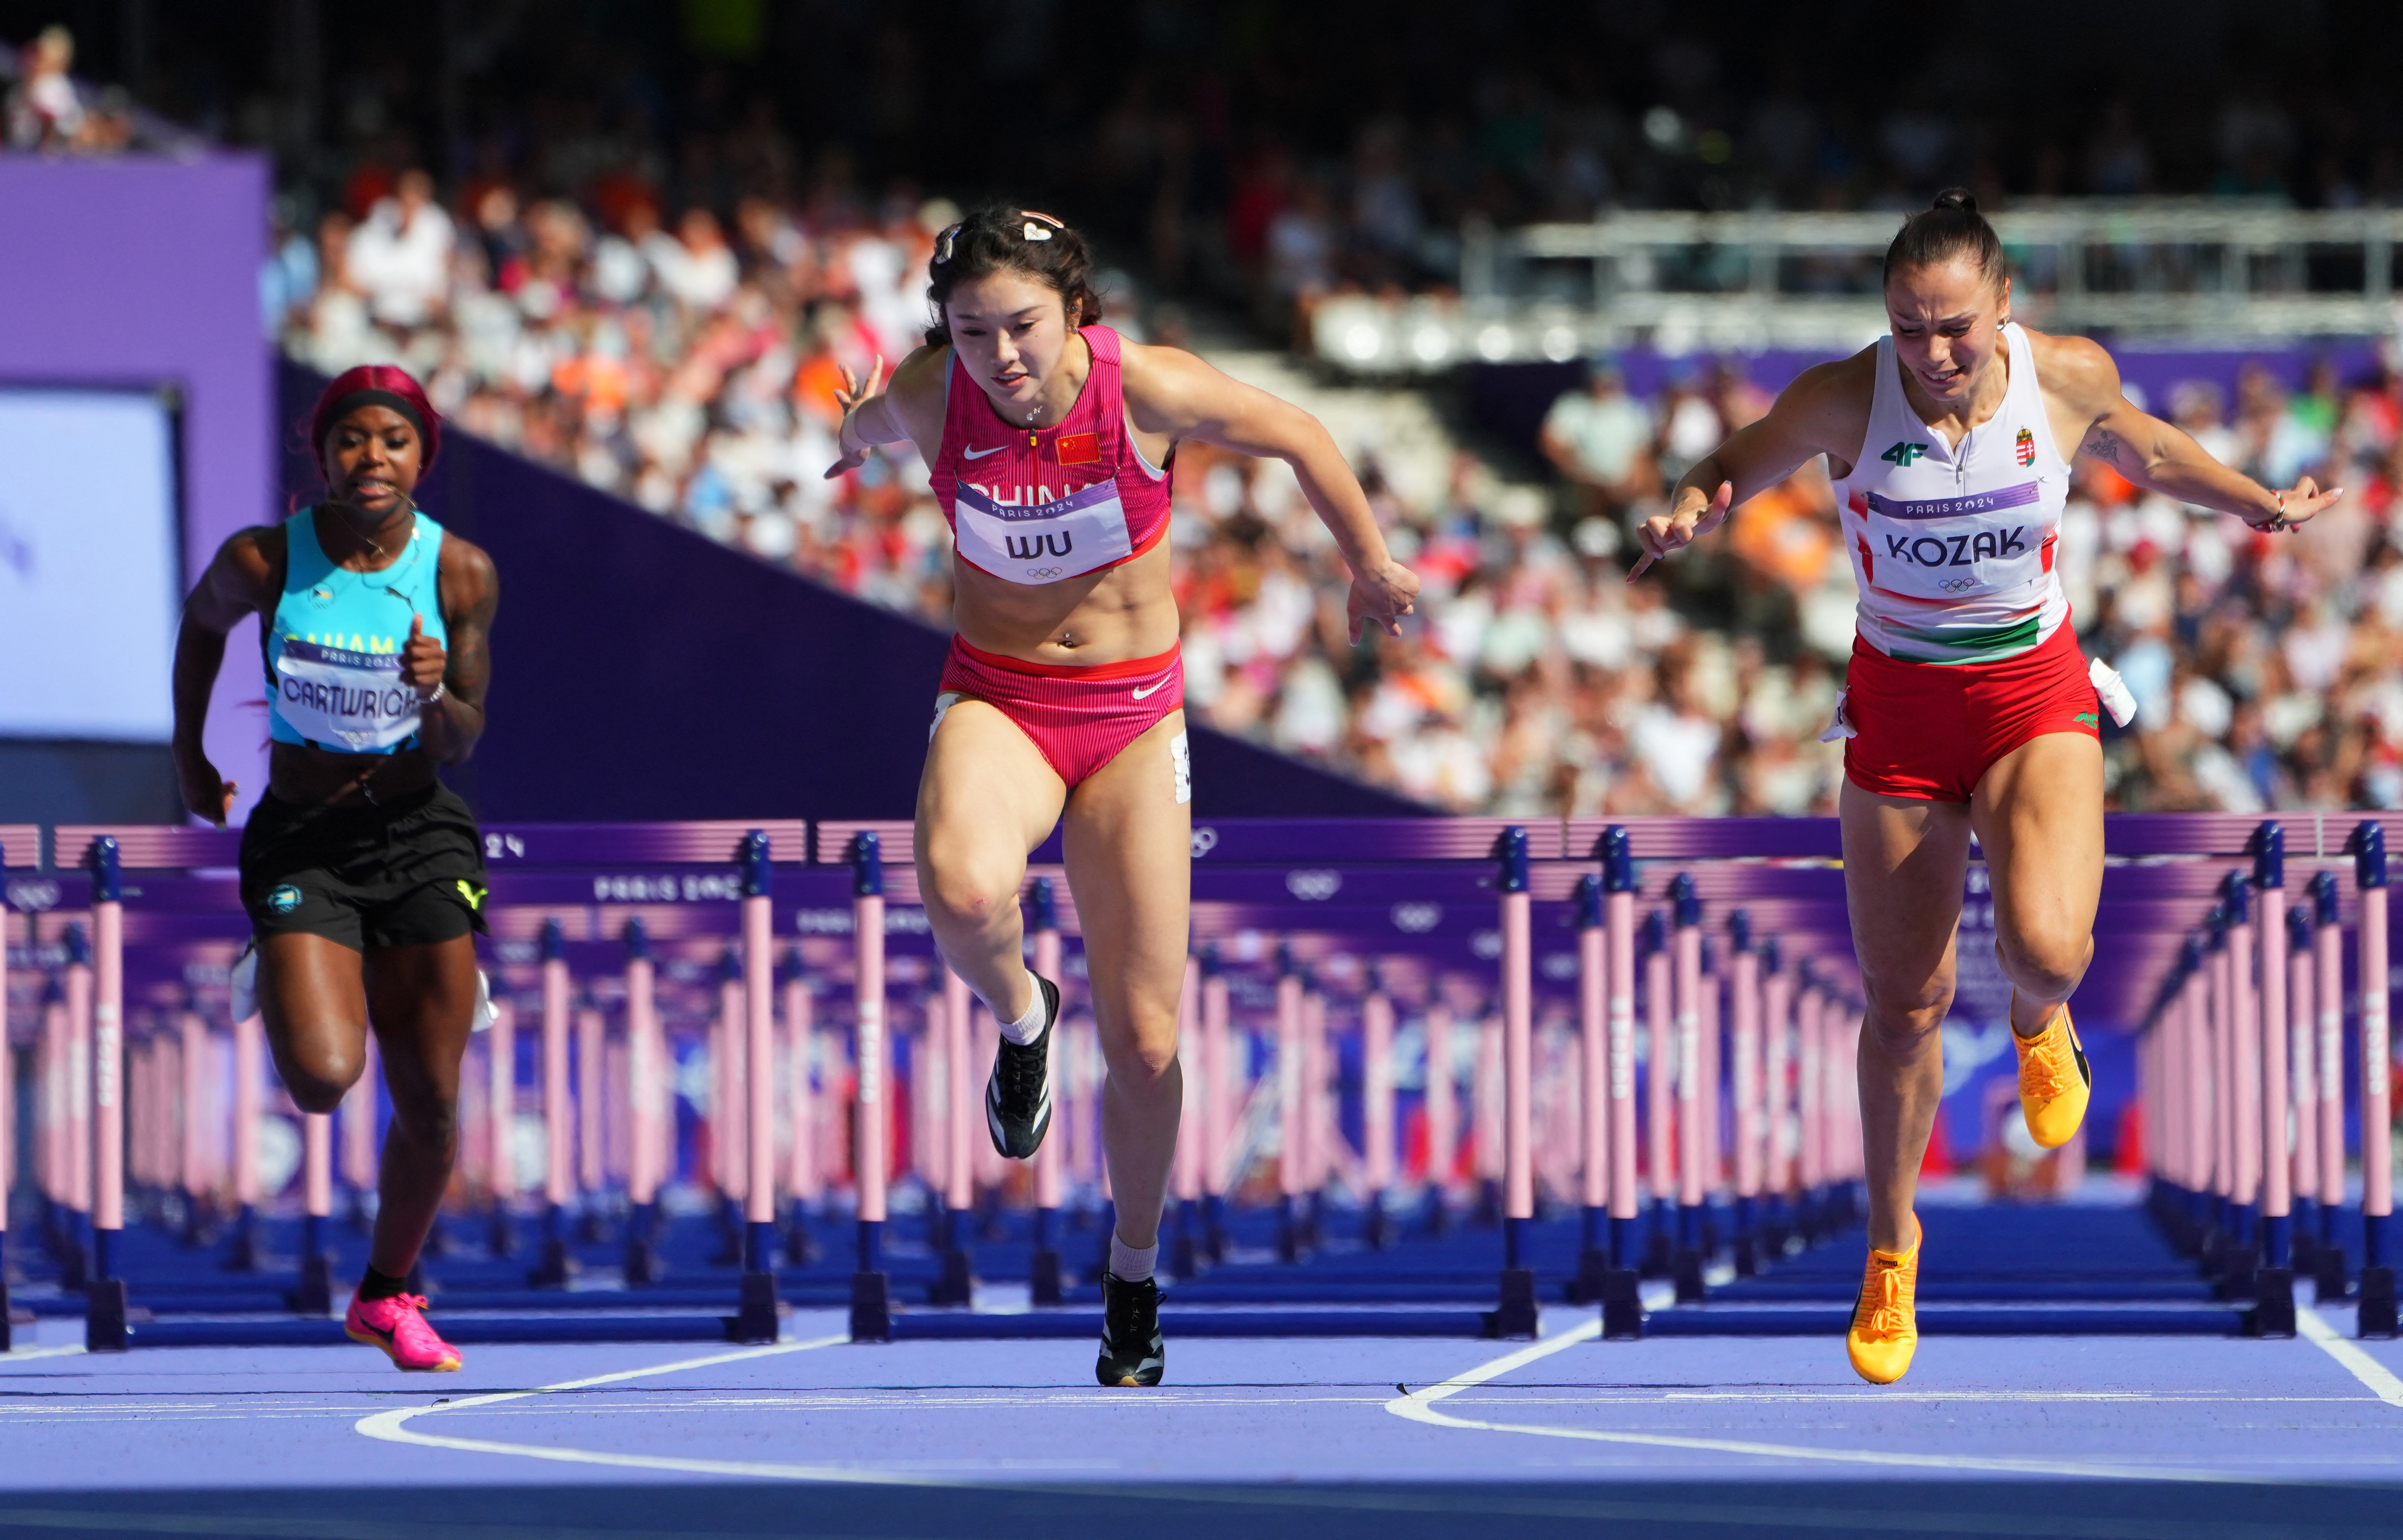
(1078, 718)
(1932, 731)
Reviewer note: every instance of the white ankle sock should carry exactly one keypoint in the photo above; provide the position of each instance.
(1131, 1264)
(1027, 1028)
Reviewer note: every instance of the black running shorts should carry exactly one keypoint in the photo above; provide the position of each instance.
(406, 872)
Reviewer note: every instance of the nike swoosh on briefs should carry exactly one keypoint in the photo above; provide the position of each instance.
(979, 454)
(1149, 689)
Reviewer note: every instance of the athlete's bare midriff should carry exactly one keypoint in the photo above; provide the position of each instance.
(1114, 615)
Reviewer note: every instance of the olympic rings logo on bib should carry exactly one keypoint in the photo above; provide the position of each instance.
(1045, 573)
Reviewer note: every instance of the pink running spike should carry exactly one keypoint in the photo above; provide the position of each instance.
(398, 1325)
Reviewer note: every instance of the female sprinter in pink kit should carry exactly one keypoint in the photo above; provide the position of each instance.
(1968, 708)
(1050, 438)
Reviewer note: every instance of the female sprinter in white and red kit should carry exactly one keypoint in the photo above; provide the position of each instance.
(1063, 702)
(1968, 708)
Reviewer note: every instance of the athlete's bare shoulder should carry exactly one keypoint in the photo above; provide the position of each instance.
(243, 578)
(916, 395)
(467, 570)
(1170, 391)
(2078, 371)
(1828, 405)
(1151, 371)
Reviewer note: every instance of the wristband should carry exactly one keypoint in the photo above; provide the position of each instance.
(441, 689)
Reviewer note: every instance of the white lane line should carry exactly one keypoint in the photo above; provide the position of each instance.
(392, 1427)
(60, 1349)
(1418, 1407)
(2381, 1379)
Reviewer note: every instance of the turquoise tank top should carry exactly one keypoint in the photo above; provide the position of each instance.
(333, 646)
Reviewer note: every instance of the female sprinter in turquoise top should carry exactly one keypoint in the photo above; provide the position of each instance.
(362, 873)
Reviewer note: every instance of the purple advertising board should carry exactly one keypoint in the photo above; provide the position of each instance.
(143, 272)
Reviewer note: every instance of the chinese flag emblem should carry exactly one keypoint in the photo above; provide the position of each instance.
(1080, 448)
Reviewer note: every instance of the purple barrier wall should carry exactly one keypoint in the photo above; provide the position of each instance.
(642, 670)
(144, 272)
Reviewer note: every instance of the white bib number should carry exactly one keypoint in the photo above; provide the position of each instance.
(1045, 537)
(350, 700)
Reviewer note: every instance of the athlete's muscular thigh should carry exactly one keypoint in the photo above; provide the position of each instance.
(313, 1004)
(2038, 812)
(986, 798)
(1904, 862)
(1128, 847)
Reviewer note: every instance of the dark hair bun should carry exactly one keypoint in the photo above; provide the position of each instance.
(1955, 197)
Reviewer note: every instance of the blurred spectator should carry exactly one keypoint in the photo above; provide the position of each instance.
(45, 111)
(400, 255)
(1601, 440)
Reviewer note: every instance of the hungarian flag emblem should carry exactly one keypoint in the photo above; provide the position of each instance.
(2025, 448)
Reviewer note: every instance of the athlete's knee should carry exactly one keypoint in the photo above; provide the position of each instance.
(2045, 961)
(968, 892)
(427, 1118)
(1903, 1012)
(1144, 1056)
(317, 1075)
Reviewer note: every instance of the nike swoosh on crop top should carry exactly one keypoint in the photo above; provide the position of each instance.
(1039, 504)
(333, 644)
(1953, 546)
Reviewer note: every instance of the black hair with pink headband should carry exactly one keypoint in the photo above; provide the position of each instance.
(375, 386)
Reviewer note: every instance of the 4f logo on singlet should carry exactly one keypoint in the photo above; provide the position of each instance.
(1903, 454)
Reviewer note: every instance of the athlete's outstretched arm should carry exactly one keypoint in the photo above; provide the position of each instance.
(1824, 412)
(1172, 392)
(241, 573)
(2160, 457)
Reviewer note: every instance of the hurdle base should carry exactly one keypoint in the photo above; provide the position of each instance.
(2273, 1304)
(315, 1294)
(799, 1250)
(641, 1262)
(7, 1316)
(1687, 1271)
(2328, 1276)
(103, 1316)
(1658, 1260)
(1516, 1316)
(1043, 1278)
(500, 1237)
(1748, 1256)
(243, 1250)
(1183, 1258)
(555, 1267)
(957, 1285)
(1622, 1305)
(2238, 1268)
(1377, 1225)
(2376, 1317)
(755, 1319)
(1593, 1270)
(871, 1307)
